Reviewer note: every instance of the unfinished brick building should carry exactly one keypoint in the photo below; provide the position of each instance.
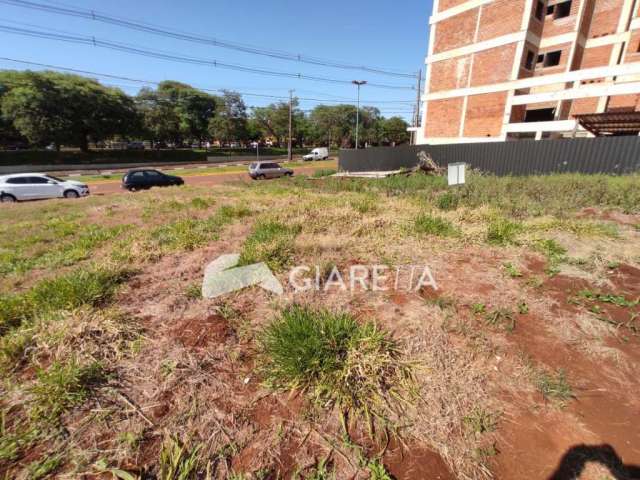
(508, 69)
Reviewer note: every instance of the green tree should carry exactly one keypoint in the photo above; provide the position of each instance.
(230, 122)
(51, 107)
(176, 112)
(394, 131)
(273, 120)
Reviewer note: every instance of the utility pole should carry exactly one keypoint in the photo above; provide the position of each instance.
(290, 151)
(416, 122)
(358, 83)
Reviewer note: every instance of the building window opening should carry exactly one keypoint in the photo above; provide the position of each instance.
(540, 10)
(551, 59)
(540, 115)
(530, 58)
(550, 9)
(563, 10)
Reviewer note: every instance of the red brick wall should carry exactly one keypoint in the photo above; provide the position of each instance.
(485, 115)
(565, 48)
(446, 4)
(584, 105)
(500, 18)
(559, 26)
(494, 65)
(450, 74)
(606, 15)
(596, 57)
(443, 118)
(456, 31)
(626, 103)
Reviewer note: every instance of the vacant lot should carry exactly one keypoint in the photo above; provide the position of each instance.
(522, 364)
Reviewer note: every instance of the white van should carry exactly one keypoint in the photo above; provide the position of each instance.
(321, 153)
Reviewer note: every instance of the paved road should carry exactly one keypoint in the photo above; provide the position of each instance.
(109, 188)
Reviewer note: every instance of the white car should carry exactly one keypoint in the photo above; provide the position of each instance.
(321, 153)
(32, 186)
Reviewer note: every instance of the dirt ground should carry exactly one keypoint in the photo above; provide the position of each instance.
(522, 371)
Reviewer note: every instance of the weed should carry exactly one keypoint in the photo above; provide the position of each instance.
(201, 203)
(443, 303)
(43, 468)
(429, 225)
(512, 270)
(15, 440)
(378, 471)
(356, 368)
(193, 291)
(502, 232)
(478, 308)
(484, 453)
(555, 253)
(364, 205)
(618, 300)
(324, 172)
(13, 346)
(178, 461)
(553, 385)
(479, 421)
(447, 201)
(270, 242)
(73, 290)
(190, 233)
(502, 318)
(62, 386)
(523, 308)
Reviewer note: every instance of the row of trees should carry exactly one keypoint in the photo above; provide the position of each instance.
(43, 108)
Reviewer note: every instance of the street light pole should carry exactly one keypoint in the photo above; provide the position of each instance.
(358, 83)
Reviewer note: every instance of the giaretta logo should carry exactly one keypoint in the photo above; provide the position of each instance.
(223, 276)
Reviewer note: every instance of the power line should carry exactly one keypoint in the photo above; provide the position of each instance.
(179, 58)
(163, 31)
(219, 90)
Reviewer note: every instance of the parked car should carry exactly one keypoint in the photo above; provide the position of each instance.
(321, 153)
(262, 170)
(32, 186)
(160, 145)
(144, 179)
(135, 146)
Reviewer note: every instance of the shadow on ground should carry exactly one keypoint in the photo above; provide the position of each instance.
(574, 461)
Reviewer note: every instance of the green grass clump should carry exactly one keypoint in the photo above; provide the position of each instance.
(324, 172)
(355, 367)
(62, 386)
(178, 461)
(480, 421)
(270, 242)
(429, 225)
(501, 318)
(43, 468)
(554, 385)
(447, 201)
(190, 233)
(364, 205)
(556, 254)
(378, 471)
(502, 232)
(73, 290)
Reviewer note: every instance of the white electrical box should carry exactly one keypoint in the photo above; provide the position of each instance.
(457, 173)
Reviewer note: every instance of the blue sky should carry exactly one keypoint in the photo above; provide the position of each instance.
(380, 33)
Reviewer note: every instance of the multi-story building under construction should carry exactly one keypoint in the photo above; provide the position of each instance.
(510, 69)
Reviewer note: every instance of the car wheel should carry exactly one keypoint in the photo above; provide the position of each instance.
(71, 194)
(288, 174)
(6, 198)
(261, 177)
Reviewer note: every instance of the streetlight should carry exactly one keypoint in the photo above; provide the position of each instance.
(359, 83)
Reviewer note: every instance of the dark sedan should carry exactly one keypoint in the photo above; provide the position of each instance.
(145, 179)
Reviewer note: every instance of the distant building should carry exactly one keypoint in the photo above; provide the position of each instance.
(509, 69)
